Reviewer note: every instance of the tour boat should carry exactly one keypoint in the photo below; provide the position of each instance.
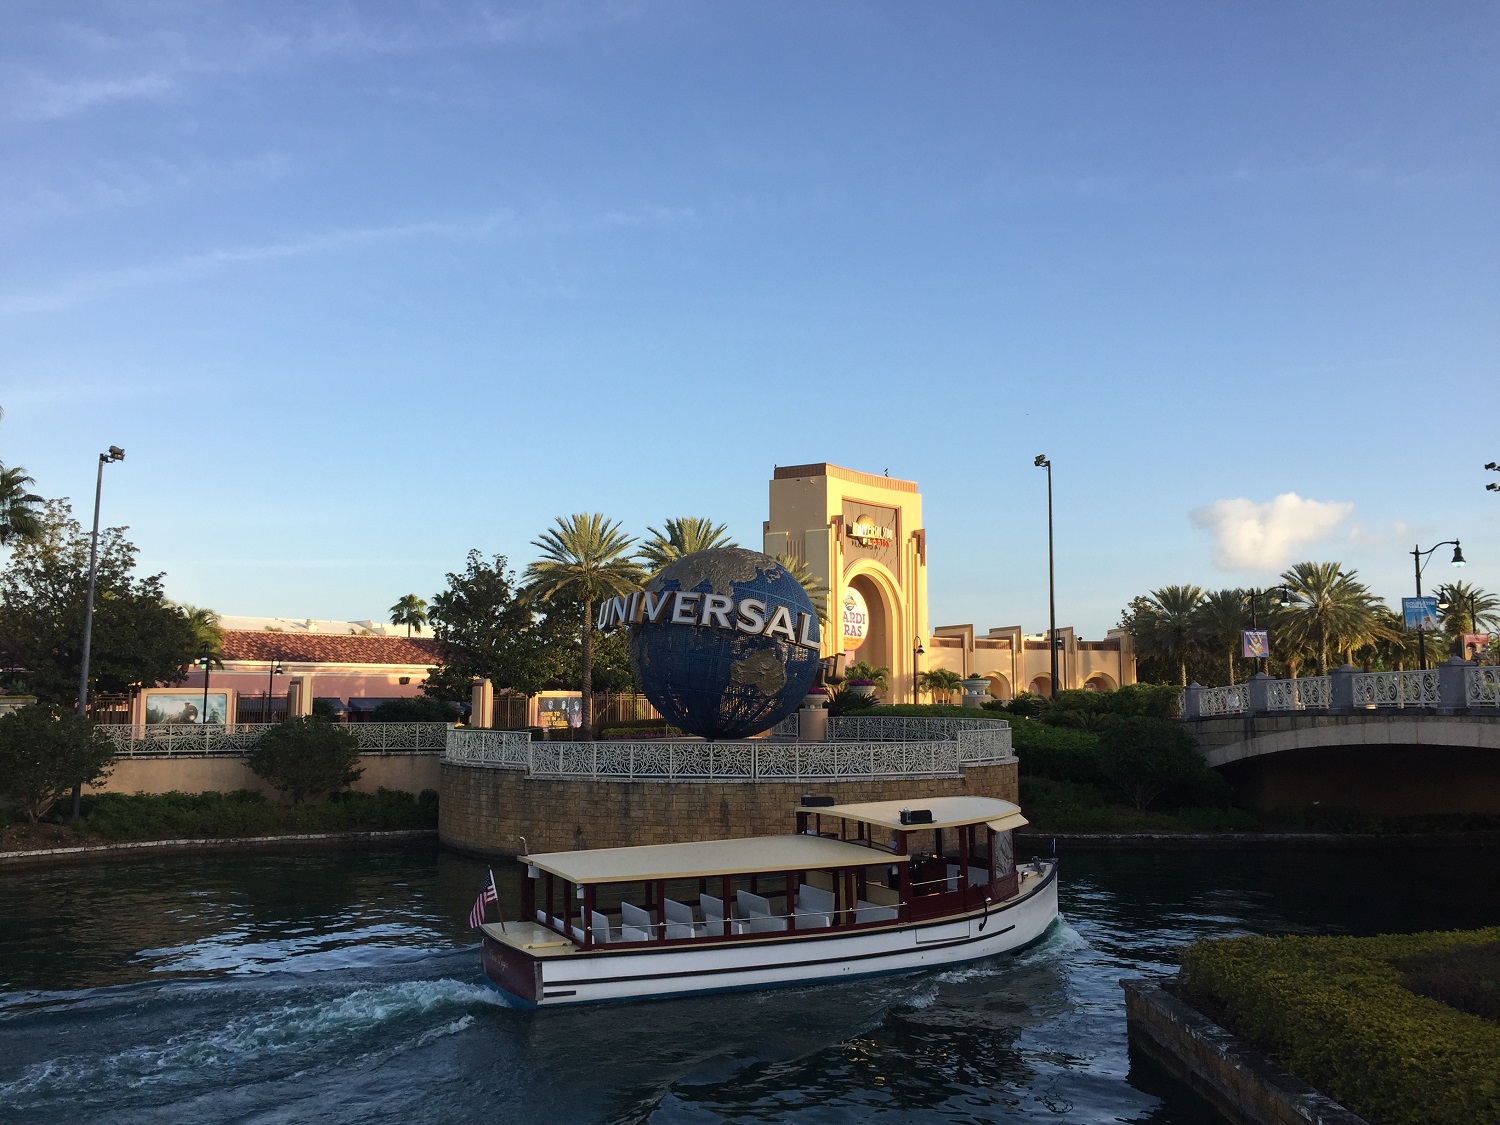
(861, 889)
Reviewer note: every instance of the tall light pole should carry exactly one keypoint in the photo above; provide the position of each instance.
(916, 651)
(115, 454)
(1283, 598)
(1419, 559)
(1042, 462)
(276, 670)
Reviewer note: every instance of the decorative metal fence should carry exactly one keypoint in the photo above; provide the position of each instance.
(903, 728)
(1473, 687)
(1398, 689)
(752, 760)
(233, 740)
(1223, 701)
(1483, 687)
(1299, 694)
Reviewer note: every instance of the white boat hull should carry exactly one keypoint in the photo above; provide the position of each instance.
(814, 957)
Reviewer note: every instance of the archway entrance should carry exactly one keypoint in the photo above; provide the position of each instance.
(876, 647)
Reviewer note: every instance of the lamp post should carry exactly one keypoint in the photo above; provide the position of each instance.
(1492, 486)
(916, 651)
(206, 659)
(115, 454)
(1419, 559)
(1042, 462)
(1283, 597)
(276, 670)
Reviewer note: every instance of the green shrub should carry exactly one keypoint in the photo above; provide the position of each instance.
(927, 711)
(416, 709)
(846, 702)
(246, 812)
(304, 758)
(1143, 759)
(44, 752)
(1335, 1012)
(1466, 977)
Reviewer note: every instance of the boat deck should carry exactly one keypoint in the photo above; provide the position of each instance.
(536, 940)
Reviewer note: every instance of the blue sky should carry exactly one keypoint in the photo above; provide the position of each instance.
(359, 287)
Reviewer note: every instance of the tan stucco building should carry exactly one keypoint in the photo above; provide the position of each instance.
(862, 535)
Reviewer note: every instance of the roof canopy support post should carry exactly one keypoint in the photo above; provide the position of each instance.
(588, 916)
(791, 900)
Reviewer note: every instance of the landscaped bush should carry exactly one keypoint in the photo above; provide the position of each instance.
(653, 728)
(44, 752)
(304, 758)
(1145, 760)
(1336, 1013)
(1466, 977)
(247, 812)
(416, 709)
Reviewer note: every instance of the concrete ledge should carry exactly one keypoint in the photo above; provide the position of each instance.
(137, 848)
(1238, 1080)
(1270, 840)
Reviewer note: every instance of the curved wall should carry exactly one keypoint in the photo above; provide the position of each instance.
(487, 811)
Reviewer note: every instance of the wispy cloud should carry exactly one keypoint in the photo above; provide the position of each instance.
(1261, 536)
(498, 223)
(34, 97)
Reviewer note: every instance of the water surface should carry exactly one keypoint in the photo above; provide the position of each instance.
(343, 986)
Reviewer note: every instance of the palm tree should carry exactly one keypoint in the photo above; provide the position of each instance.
(19, 517)
(682, 536)
(817, 593)
(1330, 610)
(1470, 610)
(409, 610)
(208, 635)
(940, 680)
(1220, 620)
(586, 557)
(1167, 624)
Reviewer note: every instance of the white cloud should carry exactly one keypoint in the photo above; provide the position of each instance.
(1252, 536)
(36, 98)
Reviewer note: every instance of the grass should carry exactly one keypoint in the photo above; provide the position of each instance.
(244, 812)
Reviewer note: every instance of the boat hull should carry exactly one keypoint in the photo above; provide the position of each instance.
(684, 970)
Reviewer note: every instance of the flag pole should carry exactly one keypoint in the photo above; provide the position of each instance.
(496, 889)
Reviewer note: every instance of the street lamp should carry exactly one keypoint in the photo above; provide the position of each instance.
(1283, 598)
(115, 454)
(1419, 559)
(276, 670)
(206, 659)
(916, 651)
(1042, 462)
(1494, 468)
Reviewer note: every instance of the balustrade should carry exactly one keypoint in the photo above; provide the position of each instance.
(198, 740)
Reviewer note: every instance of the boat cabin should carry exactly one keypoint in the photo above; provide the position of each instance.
(849, 867)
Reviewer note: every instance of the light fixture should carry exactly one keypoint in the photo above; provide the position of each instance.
(1458, 555)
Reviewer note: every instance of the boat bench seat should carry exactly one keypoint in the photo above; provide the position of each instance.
(869, 912)
(757, 913)
(815, 907)
(680, 922)
(637, 924)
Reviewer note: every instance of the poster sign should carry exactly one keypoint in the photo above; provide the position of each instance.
(1476, 645)
(559, 712)
(1420, 613)
(856, 619)
(1257, 644)
(186, 707)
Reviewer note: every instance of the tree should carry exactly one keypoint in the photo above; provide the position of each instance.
(940, 681)
(684, 535)
(44, 752)
(139, 637)
(585, 557)
(409, 610)
(1164, 624)
(208, 635)
(1220, 623)
(1470, 610)
(1143, 758)
(304, 758)
(20, 517)
(1330, 611)
(415, 709)
(484, 628)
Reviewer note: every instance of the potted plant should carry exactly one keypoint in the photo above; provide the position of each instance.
(865, 679)
(817, 696)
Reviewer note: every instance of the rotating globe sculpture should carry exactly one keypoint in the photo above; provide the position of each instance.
(737, 658)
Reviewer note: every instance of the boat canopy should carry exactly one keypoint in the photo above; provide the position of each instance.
(752, 856)
(947, 812)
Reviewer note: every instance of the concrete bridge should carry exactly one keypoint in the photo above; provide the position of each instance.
(1391, 743)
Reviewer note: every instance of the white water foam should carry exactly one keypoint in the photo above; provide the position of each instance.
(297, 1035)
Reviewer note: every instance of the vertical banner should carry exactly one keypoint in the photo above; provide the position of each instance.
(1257, 644)
(1420, 613)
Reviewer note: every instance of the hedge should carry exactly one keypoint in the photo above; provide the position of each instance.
(1336, 1013)
(247, 812)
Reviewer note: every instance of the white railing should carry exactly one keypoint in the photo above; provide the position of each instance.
(905, 728)
(1232, 700)
(1482, 687)
(788, 730)
(1398, 689)
(1301, 694)
(198, 740)
(752, 760)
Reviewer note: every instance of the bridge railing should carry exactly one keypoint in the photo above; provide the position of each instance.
(1451, 687)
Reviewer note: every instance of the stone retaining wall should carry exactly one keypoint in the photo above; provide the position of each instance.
(409, 772)
(1241, 1083)
(487, 811)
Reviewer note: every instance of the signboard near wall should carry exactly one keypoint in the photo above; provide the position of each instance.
(856, 616)
(164, 707)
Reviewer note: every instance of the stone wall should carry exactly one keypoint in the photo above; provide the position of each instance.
(409, 772)
(487, 811)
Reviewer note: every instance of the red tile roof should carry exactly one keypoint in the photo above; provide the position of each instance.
(327, 648)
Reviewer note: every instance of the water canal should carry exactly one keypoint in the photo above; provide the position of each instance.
(343, 986)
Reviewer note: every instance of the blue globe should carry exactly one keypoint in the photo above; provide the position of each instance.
(724, 682)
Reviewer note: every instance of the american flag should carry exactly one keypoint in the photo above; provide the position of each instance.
(486, 897)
